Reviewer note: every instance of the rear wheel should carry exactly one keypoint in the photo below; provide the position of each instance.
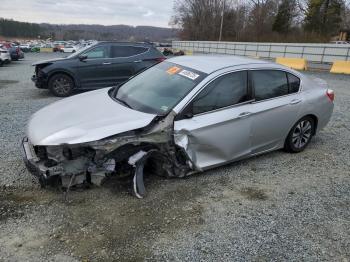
(300, 135)
(61, 85)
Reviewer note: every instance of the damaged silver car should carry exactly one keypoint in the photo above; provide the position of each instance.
(182, 116)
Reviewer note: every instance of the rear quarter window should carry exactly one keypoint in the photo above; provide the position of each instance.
(127, 51)
(294, 83)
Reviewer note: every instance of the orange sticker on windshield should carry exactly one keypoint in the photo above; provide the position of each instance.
(173, 70)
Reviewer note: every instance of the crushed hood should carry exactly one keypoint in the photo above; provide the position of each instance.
(83, 118)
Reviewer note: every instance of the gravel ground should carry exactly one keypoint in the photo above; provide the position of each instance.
(277, 206)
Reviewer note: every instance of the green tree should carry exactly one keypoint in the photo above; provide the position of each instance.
(324, 16)
(285, 15)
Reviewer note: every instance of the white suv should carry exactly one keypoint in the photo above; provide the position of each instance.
(4, 56)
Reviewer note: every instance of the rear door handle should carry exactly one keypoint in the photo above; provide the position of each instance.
(295, 101)
(244, 114)
(138, 61)
(106, 63)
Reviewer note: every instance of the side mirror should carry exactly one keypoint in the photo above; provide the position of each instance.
(82, 57)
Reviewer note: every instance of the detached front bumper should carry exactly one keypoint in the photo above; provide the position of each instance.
(36, 166)
(31, 160)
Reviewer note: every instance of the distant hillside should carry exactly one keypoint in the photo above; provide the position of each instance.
(11, 28)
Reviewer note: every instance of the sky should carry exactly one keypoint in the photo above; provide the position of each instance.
(105, 12)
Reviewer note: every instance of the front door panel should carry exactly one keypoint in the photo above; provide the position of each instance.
(94, 73)
(217, 137)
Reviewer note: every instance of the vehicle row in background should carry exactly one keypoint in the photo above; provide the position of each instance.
(14, 51)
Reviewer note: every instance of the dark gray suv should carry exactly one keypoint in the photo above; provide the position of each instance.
(101, 65)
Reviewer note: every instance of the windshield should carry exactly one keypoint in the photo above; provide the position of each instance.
(158, 89)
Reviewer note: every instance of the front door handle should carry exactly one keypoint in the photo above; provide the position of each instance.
(106, 63)
(295, 101)
(244, 114)
(138, 61)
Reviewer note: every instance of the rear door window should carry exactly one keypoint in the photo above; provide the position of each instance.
(269, 84)
(126, 51)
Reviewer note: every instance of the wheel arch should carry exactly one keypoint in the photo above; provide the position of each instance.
(65, 72)
(315, 119)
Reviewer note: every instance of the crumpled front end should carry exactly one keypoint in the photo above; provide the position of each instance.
(126, 153)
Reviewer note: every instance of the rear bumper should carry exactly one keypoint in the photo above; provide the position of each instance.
(15, 56)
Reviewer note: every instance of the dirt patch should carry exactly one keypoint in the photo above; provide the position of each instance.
(122, 226)
(252, 193)
(100, 223)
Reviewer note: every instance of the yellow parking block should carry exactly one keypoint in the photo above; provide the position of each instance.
(341, 67)
(295, 63)
(188, 52)
(46, 49)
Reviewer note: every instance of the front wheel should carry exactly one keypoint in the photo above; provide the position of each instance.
(300, 135)
(61, 85)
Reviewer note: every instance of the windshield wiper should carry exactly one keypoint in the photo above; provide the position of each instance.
(122, 102)
(114, 96)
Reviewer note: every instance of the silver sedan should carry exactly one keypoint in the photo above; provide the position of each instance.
(182, 116)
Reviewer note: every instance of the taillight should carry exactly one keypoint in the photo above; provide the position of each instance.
(330, 94)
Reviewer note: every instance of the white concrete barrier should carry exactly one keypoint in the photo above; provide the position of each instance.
(319, 53)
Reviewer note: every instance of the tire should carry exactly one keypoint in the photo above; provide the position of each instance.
(1, 63)
(300, 135)
(61, 85)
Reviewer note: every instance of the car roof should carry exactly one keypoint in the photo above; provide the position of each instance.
(210, 63)
(125, 43)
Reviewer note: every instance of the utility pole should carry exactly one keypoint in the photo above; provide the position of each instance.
(222, 19)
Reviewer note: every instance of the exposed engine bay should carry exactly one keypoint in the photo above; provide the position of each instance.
(123, 154)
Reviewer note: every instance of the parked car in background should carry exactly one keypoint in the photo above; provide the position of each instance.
(101, 65)
(182, 116)
(340, 42)
(69, 49)
(5, 57)
(35, 49)
(58, 48)
(16, 53)
(25, 48)
(6, 45)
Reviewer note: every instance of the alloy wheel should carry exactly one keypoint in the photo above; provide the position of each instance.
(61, 86)
(302, 134)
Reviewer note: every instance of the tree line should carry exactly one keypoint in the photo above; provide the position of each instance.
(261, 20)
(11, 28)
(14, 29)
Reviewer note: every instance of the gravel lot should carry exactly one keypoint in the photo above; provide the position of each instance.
(277, 206)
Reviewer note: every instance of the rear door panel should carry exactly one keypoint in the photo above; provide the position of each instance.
(272, 121)
(275, 115)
